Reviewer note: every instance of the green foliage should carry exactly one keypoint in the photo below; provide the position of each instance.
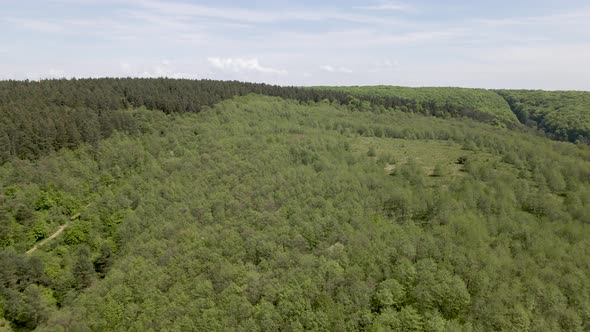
(39, 230)
(388, 294)
(76, 234)
(264, 214)
(440, 169)
(30, 308)
(475, 103)
(103, 263)
(85, 111)
(82, 269)
(45, 201)
(24, 300)
(562, 115)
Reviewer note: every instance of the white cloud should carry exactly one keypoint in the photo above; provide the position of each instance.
(55, 73)
(386, 63)
(182, 10)
(35, 25)
(162, 71)
(580, 17)
(332, 69)
(238, 65)
(366, 39)
(165, 68)
(389, 63)
(386, 5)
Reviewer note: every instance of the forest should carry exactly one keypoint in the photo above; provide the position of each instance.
(558, 115)
(86, 110)
(437, 100)
(564, 115)
(229, 206)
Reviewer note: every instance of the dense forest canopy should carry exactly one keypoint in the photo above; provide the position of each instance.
(565, 115)
(440, 99)
(307, 210)
(87, 110)
(559, 115)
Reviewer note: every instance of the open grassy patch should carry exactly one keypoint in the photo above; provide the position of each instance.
(437, 159)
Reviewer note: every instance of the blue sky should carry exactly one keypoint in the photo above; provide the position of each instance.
(491, 44)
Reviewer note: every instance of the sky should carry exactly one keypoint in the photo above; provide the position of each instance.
(532, 44)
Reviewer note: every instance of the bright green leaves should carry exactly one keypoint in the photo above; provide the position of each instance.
(76, 233)
(437, 289)
(389, 294)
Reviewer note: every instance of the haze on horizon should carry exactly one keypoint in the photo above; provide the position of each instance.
(493, 44)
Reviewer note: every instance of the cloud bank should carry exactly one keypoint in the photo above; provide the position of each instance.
(238, 65)
(332, 69)
(351, 42)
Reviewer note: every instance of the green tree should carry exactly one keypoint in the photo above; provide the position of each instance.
(389, 294)
(82, 269)
(103, 263)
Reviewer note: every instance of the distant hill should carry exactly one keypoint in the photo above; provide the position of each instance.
(560, 115)
(87, 110)
(439, 100)
(564, 115)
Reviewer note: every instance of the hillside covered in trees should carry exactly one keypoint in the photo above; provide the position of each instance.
(559, 115)
(440, 100)
(564, 115)
(301, 210)
(86, 110)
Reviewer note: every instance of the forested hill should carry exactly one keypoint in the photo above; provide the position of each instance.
(559, 115)
(439, 100)
(86, 110)
(564, 115)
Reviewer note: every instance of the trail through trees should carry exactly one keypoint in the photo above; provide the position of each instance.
(53, 236)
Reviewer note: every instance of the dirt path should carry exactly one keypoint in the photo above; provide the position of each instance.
(61, 229)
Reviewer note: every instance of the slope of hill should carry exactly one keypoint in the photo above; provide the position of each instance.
(563, 115)
(440, 100)
(86, 110)
(265, 214)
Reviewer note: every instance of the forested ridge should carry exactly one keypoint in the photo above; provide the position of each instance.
(563, 115)
(86, 110)
(558, 115)
(441, 101)
(303, 211)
